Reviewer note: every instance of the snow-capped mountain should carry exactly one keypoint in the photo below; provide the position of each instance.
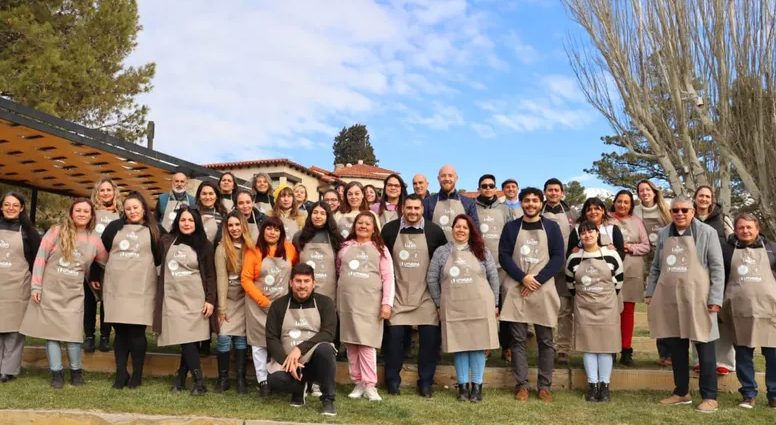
(601, 193)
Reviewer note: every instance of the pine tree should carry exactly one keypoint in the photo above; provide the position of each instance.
(352, 144)
(575, 193)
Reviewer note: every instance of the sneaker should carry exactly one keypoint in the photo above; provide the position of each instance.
(327, 408)
(315, 391)
(358, 391)
(371, 394)
(297, 399)
(522, 394)
(707, 406)
(675, 400)
(747, 403)
(722, 371)
(545, 396)
(772, 403)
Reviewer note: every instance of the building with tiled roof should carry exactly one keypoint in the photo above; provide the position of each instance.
(362, 173)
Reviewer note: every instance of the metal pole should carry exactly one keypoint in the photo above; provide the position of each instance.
(33, 205)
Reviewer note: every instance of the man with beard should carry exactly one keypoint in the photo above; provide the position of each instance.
(169, 203)
(441, 208)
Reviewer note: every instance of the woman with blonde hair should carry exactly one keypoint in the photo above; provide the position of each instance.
(300, 193)
(261, 186)
(236, 242)
(55, 310)
(287, 210)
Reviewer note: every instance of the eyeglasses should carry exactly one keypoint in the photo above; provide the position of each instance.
(682, 210)
(393, 185)
(12, 206)
(487, 186)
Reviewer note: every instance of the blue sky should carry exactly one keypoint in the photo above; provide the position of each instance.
(483, 85)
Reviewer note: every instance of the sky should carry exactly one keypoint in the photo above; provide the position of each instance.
(483, 85)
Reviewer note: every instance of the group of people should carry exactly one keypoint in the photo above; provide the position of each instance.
(289, 282)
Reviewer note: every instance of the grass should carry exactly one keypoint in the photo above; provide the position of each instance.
(31, 391)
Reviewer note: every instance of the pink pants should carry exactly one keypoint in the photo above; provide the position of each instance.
(362, 362)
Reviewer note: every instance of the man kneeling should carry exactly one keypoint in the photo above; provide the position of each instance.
(300, 331)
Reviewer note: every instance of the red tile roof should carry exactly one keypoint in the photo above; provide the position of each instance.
(363, 171)
(266, 163)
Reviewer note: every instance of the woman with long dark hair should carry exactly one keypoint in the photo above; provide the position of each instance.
(211, 210)
(264, 277)
(19, 242)
(391, 203)
(318, 244)
(254, 217)
(365, 293)
(55, 312)
(355, 203)
(129, 284)
(594, 210)
(226, 185)
(370, 193)
(463, 282)
(186, 295)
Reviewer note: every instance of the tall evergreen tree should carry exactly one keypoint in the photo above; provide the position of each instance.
(352, 144)
(575, 193)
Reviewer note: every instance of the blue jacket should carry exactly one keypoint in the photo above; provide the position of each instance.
(506, 248)
(429, 203)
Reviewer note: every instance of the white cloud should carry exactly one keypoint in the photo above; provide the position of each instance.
(563, 87)
(581, 178)
(443, 118)
(484, 130)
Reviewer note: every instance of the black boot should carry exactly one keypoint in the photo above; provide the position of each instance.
(89, 344)
(199, 382)
(58, 379)
(626, 357)
(240, 361)
(180, 380)
(76, 377)
(592, 393)
(603, 392)
(263, 389)
(463, 392)
(223, 372)
(204, 348)
(122, 378)
(105, 344)
(476, 394)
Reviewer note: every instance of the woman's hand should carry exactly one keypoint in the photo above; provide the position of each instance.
(207, 311)
(36, 297)
(612, 247)
(496, 312)
(385, 312)
(95, 285)
(221, 319)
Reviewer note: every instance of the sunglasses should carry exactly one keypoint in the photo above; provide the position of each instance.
(681, 210)
(487, 186)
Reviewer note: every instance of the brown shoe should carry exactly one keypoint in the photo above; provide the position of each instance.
(772, 403)
(545, 396)
(675, 400)
(522, 394)
(708, 406)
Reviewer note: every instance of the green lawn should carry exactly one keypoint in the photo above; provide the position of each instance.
(31, 391)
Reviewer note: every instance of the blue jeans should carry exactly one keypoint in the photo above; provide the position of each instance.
(225, 343)
(54, 354)
(598, 367)
(745, 371)
(466, 360)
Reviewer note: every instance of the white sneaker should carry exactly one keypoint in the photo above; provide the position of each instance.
(315, 391)
(371, 394)
(358, 391)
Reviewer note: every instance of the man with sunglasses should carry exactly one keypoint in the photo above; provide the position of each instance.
(685, 289)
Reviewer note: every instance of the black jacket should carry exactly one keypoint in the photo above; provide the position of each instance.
(732, 244)
(617, 240)
(30, 239)
(277, 312)
(716, 220)
(435, 236)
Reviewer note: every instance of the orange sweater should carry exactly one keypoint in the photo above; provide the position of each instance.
(251, 269)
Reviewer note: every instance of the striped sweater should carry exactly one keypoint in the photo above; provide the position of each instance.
(50, 244)
(610, 256)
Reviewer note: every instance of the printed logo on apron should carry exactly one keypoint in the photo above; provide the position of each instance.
(529, 251)
(70, 268)
(234, 279)
(175, 265)
(405, 255)
(355, 265)
(750, 264)
(677, 255)
(5, 255)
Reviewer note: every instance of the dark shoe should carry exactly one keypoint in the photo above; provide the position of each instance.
(327, 408)
(476, 396)
(563, 359)
(592, 392)
(408, 352)
(7, 378)
(137, 377)
(240, 361)
(122, 379)
(463, 392)
(426, 391)
(104, 344)
(199, 382)
(747, 403)
(76, 377)
(204, 348)
(626, 357)
(603, 392)
(180, 380)
(89, 344)
(297, 399)
(772, 403)
(223, 372)
(263, 389)
(58, 379)
(393, 389)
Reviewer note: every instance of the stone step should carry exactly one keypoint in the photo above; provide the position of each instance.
(158, 364)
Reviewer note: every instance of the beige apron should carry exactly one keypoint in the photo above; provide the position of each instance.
(264, 207)
(60, 314)
(211, 226)
(517, 212)
(104, 217)
(467, 308)
(291, 228)
(412, 304)
(492, 221)
(299, 325)
(321, 257)
(634, 284)
(596, 313)
(750, 299)
(388, 216)
(273, 283)
(542, 306)
(445, 212)
(228, 203)
(184, 299)
(15, 280)
(359, 297)
(235, 302)
(679, 307)
(129, 287)
(345, 224)
(171, 210)
(566, 223)
(253, 228)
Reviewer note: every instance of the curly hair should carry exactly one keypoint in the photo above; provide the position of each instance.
(68, 231)
(116, 203)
